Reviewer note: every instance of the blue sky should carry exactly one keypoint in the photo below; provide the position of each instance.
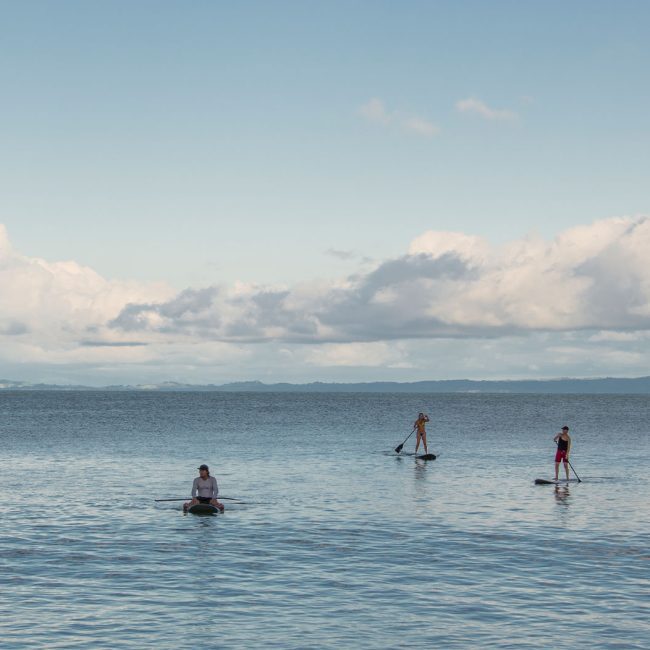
(186, 145)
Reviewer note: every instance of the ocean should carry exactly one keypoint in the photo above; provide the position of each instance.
(336, 542)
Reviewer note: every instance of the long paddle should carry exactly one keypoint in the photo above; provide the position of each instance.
(399, 447)
(188, 498)
(576, 473)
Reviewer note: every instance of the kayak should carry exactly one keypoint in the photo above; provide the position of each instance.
(203, 509)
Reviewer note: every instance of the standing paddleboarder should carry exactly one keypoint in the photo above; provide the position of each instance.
(419, 424)
(204, 490)
(563, 440)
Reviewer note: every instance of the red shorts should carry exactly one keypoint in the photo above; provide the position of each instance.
(560, 454)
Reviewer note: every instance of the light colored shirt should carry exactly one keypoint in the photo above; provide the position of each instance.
(205, 487)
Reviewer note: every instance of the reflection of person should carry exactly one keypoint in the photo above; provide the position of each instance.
(422, 433)
(562, 494)
(563, 440)
(204, 489)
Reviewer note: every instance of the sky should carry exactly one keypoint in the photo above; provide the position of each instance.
(328, 191)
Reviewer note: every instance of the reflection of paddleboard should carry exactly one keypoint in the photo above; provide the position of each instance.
(427, 457)
(543, 481)
(203, 509)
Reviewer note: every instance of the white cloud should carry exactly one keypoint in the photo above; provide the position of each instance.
(590, 285)
(375, 111)
(436, 243)
(478, 107)
(420, 127)
(54, 305)
(619, 337)
(449, 284)
(357, 355)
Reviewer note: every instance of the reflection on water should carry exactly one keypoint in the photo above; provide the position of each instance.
(421, 468)
(562, 495)
(335, 547)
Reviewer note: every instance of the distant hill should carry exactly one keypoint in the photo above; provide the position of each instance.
(638, 385)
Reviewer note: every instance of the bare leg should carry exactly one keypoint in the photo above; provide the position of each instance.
(188, 504)
(417, 442)
(557, 470)
(424, 442)
(566, 469)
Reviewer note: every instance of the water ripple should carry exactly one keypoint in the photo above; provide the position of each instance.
(337, 546)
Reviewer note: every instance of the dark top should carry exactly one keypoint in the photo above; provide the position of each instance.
(562, 444)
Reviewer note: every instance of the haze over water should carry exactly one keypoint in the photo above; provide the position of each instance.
(340, 543)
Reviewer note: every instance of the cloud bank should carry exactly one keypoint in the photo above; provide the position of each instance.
(587, 289)
(447, 285)
(55, 304)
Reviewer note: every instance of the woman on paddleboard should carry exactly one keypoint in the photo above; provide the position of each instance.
(421, 432)
(204, 490)
(563, 440)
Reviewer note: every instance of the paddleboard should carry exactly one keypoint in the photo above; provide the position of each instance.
(203, 509)
(427, 457)
(543, 481)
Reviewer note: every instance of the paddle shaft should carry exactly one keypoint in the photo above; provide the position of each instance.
(399, 447)
(576, 473)
(189, 498)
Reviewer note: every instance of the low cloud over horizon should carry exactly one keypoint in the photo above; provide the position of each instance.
(453, 305)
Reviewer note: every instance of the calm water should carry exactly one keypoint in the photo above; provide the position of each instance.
(339, 544)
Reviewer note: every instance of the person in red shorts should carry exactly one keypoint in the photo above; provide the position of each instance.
(563, 440)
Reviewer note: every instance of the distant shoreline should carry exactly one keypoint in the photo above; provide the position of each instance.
(605, 385)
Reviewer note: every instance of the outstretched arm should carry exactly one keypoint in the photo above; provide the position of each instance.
(215, 492)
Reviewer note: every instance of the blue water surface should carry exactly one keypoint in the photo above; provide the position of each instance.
(339, 543)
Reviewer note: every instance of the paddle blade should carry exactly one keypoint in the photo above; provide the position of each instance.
(399, 448)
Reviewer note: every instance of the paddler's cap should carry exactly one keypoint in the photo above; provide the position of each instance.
(565, 428)
(204, 467)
